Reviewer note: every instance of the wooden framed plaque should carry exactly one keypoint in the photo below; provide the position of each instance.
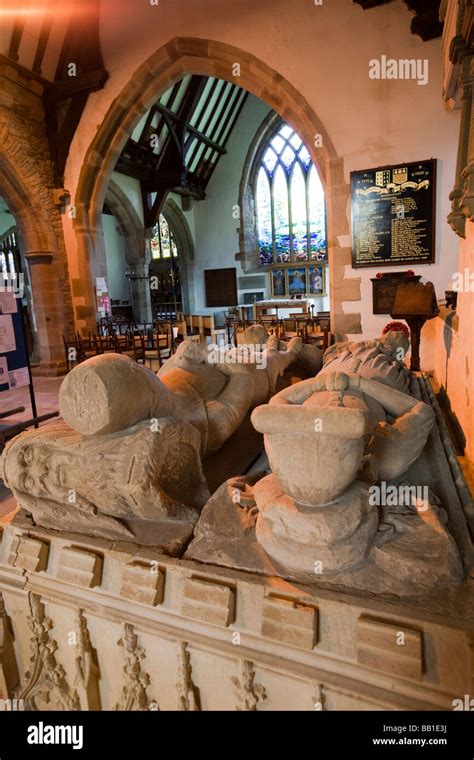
(384, 290)
(393, 215)
(221, 287)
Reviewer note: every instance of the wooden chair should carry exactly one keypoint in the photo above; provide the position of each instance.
(208, 329)
(158, 345)
(86, 345)
(137, 342)
(290, 326)
(73, 353)
(192, 324)
(104, 343)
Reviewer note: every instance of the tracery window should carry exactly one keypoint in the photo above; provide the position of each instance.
(163, 245)
(290, 204)
(7, 263)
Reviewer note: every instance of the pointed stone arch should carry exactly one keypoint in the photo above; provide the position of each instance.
(184, 241)
(130, 224)
(168, 65)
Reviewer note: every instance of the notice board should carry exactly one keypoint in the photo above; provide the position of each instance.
(15, 371)
(14, 360)
(393, 215)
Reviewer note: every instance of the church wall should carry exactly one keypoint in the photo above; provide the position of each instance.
(6, 221)
(116, 261)
(449, 351)
(131, 188)
(189, 214)
(370, 122)
(217, 227)
(216, 219)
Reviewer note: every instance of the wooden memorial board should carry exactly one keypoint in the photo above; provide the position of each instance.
(384, 289)
(393, 214)
(221, 287)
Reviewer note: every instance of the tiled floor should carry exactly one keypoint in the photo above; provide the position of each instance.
(46, 394)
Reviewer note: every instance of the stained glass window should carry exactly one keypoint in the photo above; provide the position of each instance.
(163, 244)
(291, 209)
(7, 263)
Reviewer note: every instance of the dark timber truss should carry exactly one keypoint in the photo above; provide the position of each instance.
(177, 146)
(80, 71)
(425, 23)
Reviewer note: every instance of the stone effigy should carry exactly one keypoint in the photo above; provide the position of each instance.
(304, 355)
(125, 485)
(335, 442)
(381, 359)
(109, 393)
(313, 500)
(126, 462)
(207, 370)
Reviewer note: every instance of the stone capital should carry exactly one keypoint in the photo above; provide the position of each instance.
(39, 257)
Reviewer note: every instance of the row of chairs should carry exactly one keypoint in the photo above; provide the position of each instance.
(310, 328)
(154, 345)
(184, 326)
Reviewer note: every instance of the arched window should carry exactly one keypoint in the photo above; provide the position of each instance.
(163, 244)
(289, 199)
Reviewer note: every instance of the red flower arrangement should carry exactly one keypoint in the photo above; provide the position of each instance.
(396, 327)
(410, 273)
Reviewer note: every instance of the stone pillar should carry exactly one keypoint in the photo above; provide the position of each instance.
(140, 293)
(47, 313)
(467, 198)
(462, 193)
(83, 294)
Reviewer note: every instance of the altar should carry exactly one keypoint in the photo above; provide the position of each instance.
(262, 308)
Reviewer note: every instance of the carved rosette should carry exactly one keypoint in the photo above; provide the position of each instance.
(46, 684)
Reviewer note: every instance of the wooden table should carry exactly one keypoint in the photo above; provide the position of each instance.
(261, 307)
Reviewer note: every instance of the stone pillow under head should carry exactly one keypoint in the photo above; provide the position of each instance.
(204, 377)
